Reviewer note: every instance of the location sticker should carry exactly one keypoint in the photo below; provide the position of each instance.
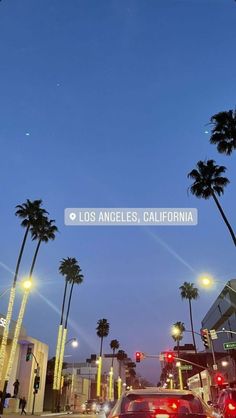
(72, 216)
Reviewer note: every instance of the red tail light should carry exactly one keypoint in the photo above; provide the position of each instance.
(231, 407)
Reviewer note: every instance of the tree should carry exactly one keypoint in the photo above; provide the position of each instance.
(102, 329)
(43, 230)
(189, 292)
(209, 182)
(114, 344)
(29, 212)
(70, 269)
(224, 131)
(178, 335)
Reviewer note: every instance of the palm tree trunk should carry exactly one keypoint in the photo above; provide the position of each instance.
(69, 302)
(113, 353)
(59, 340)
(14, 346)
(191, 321)
(63, 342)
(34, 259)
(194, 343)
(20, 255)
(101, 346)
(224, 218)
(11, 305)
(178, 347)
(63, 302)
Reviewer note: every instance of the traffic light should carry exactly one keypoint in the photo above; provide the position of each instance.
(29, 354)
(138, 356)
(205, 338)
(219, 379)
(169, 357)
(36, 382)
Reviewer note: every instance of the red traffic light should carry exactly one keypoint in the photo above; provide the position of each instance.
(138, 356)
(219, 379)
(169, 357)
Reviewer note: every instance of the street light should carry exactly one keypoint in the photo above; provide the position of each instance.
(74, 342)
(207, 282)
(27, 284)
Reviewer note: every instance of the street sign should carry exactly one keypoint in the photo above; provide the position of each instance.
(213, 334)
(229, 346)
(186, 367)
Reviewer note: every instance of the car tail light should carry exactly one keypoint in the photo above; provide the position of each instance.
(231, 407)
(162, 416)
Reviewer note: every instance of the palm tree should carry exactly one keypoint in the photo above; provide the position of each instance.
(114, 344)
(71, 270)
(76, 278)
(189, 292)
(224, 131)
(30, 212)
(44, 231)
(102, 329)
(65, 268)
(178, 336)
(209, 182)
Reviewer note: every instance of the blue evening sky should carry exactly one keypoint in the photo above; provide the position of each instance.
(104, 103)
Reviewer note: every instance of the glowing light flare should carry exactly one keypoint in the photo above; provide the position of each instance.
(206, 281)
(75, 344)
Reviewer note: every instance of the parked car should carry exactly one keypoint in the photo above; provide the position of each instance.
(161, 403)
(226, 403)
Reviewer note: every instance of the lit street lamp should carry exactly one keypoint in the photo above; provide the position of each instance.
(207, 282)
(74, 342)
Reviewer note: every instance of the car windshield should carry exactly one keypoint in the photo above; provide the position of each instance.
(158, 403)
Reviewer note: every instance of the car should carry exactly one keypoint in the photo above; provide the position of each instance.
(161, 403)
(226, 403)
(90, 406)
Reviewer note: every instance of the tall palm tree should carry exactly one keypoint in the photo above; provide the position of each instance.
(189, 292)
(43, 230)
(65, 268)
(103, 328)
(114, 344)
(29, 212)
(224, 131)
(178, 336)
(209, 182)
(73, 274)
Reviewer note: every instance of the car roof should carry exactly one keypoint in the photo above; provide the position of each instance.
(159, 391)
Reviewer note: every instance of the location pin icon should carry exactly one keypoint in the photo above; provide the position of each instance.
(72, 216)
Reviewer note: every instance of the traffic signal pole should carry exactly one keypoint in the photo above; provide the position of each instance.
(36, 376)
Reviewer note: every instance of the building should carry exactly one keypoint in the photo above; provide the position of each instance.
(24, 370)
(221, 317)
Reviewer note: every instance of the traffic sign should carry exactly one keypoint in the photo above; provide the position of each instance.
(229, 346)
(186, 367)
(213, 334)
